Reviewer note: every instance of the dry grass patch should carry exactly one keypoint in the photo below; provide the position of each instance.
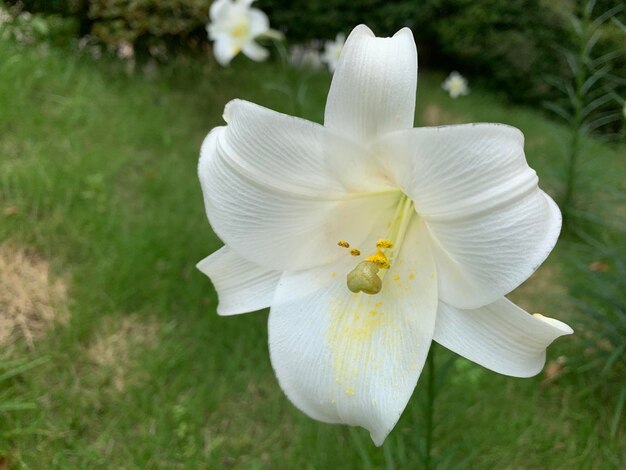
(30, 300)
(116, 348)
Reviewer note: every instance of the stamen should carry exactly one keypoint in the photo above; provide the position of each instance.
(366, 276)
(384, 243)
(380, 259)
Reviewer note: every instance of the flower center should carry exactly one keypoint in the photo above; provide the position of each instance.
(368, 275)
(241, 29)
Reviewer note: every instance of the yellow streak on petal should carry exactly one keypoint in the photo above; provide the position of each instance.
(360, 335)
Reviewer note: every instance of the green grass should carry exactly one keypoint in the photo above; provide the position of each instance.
(101, 170)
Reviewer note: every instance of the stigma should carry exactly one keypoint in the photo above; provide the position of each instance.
(364, 277)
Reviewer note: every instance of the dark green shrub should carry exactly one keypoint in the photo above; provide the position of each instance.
(25, 28)
(506, 43)
(61, 7)
(144, 22)
(511, 44)
(138, 22)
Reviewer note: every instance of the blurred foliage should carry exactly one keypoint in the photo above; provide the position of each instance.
(506, 41)
(149, 22)
(598, 289)
(590, 98)
(503, 42)
(141, 23)
(10, 400)
(510, 45)
(26, 28)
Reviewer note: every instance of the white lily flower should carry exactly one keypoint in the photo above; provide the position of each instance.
(448, 220)
(233, 27)
(455, 85)
(332, 51)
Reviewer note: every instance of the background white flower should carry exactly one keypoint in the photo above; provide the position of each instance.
(455, 85)
(125, 50)
(305, 55)
(332, 51)
(452, 216)
(5, 16)
(233, 27)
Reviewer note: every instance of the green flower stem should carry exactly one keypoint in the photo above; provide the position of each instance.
(577, 118)
(429, 411)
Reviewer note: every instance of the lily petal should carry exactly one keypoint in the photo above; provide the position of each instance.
(219, 10)
(374, 84)
(291, 154)
(224, 49)
(491, 223)
(259, 23)
(499, 336)
(255, 52)
(268, 198)
(241, 286)
(355, 358)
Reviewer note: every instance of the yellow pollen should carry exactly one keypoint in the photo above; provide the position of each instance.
(411, 276)
(355, 252)
(380, 260)
(343, 244)
(241, 30)
(384, 243)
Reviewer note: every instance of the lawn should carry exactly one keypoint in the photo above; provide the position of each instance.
(101, 224)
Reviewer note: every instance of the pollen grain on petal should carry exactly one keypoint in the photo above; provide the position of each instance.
(355, 252)
(343, 244)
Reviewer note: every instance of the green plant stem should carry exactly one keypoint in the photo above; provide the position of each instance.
(577, 117)
(574, 149)
(430, 408)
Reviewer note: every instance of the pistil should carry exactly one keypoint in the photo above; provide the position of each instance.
(368, 275)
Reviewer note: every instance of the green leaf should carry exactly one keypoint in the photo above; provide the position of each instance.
(16, 406)
(559, 110)
(23, 368)
(604, 17)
